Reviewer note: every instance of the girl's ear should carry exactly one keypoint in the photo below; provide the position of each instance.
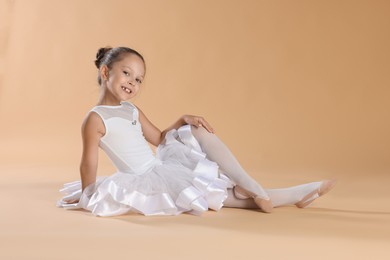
(104, 72)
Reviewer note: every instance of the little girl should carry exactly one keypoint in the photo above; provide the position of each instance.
(192, 170)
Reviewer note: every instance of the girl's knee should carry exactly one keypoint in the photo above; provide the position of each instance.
(197, 131)
(200, 134)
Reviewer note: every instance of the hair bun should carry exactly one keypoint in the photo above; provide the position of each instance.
(100, 54)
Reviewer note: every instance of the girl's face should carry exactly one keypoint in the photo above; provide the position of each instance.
(125, 77)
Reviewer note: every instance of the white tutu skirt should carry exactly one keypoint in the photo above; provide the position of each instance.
(180, 180)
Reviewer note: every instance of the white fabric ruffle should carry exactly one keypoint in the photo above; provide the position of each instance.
(181, 180)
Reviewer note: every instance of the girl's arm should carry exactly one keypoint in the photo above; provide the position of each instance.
(155, 136)
(92, 130)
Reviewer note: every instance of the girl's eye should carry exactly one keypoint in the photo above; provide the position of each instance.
(139, 81)
(126, 73)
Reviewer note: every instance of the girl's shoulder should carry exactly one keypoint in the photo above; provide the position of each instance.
(92, 118)
(92, 123)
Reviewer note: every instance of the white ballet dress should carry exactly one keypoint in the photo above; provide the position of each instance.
(177, 178)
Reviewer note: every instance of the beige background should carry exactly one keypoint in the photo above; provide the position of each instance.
(299, 90)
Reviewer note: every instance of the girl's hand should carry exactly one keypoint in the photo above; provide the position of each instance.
(198, 121)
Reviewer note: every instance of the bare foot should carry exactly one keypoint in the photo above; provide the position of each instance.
(325, 187)
(264, 204)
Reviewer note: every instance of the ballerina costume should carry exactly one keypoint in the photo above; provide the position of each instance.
(177, 178)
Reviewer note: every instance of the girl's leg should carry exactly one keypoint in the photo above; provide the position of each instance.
(300, 195)
(218, 152)
(233, 202)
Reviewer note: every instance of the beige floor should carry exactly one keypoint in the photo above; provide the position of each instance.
(352, 222)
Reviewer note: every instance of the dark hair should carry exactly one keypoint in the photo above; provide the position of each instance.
(108, 56)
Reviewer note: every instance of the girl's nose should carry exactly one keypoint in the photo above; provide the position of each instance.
(131, 82)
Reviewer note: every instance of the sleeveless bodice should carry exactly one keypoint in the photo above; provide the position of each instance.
(124, 142)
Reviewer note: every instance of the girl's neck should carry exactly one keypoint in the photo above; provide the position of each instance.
(107, 100)
(103, 102)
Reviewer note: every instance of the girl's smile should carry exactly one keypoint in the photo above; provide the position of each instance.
(127, 90)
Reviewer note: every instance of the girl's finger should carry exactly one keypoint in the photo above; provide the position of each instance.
(207, 126)
(199, 122)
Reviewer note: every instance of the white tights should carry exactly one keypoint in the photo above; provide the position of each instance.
(218, 152)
